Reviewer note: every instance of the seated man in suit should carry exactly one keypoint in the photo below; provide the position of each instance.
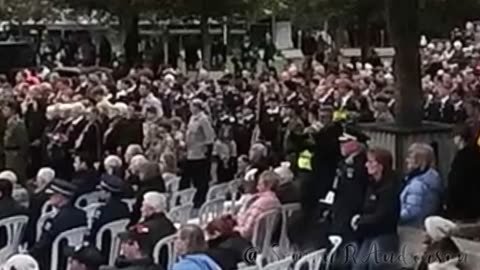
(67, 218)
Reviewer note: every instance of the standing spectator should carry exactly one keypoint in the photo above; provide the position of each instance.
(421, 196)
(199, 139)
(148, 100)
(376, 225)
(462, 196)
(85, 176)
(15, 142)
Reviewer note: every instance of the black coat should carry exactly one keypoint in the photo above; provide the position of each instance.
(37, 200)
(85, 181)
(91, 141)
(326, 156)
(229, 251)
(67, 218)
(155, 184)
(159, 227)
(349, 195)
(381, 209)
(463, 185)
(117, 136)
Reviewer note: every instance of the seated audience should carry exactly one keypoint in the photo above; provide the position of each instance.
(262, 201)
(68, 217)
(192, 248)
(113, 166)
(38, 197)
(85, 176)
(19, 193)
(113, 209)
(136, 250)
(154, 218)
(421, 196)
(226, 243)
(150, 179)
(288, 190)
(85, 258)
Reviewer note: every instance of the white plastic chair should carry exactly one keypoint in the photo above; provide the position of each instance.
(313, 260)
(168, 243)
(172, 185)
(287, 212)
(87, 199)
(182, 197)
(263, 232)
(90, 211)
(15, 228)
(47, 207)
(74, 238)
(42, 219)
(336, 242)
(219, 191)
(284, 264)
(180, 214)
(130, 203)
(210, 210)
(253, 267)
(114, 228)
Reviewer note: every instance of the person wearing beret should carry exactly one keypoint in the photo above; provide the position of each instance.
(113, 209)
(67, 218)
(85, 258)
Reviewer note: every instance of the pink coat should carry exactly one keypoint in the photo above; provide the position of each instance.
(259, 204)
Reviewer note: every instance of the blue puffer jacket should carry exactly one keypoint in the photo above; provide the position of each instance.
(421, 198)
(196, 262)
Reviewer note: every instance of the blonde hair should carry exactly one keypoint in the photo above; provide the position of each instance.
(270, 179)
(422, 154)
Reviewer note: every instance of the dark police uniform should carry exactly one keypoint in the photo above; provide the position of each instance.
(114, 209)
(67, 218)
(350, 187)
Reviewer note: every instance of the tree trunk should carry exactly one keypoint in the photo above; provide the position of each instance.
(129, 24)
(206, 42)
(404, 31)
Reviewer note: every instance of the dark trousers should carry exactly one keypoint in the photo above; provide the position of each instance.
(197, 172)
(378, 253)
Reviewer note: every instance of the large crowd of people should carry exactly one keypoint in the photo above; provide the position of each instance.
(290, 136)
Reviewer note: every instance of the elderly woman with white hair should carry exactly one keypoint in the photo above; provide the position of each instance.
(113, 165)
(19, 193)
(153, 216)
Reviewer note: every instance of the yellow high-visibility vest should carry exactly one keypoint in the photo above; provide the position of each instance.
(305, 160)
(340, 115)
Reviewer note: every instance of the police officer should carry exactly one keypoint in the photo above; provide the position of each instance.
(67, 218)
(85, 258)
(114, 209)
(350, 184)
(349, 189)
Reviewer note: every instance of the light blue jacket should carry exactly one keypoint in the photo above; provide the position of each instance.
(196, 262)
(421, 198)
